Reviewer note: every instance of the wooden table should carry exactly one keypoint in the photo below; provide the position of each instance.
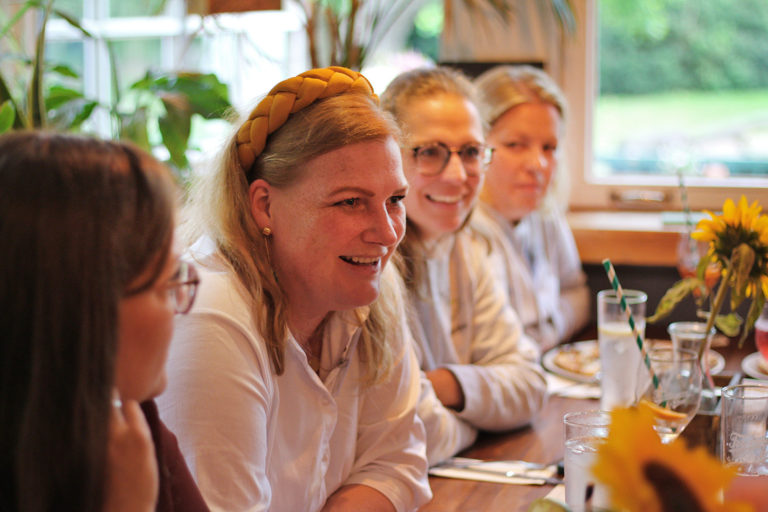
(542, 441)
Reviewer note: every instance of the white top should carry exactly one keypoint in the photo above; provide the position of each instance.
(539, 264)
(257, 441)
(463, 322)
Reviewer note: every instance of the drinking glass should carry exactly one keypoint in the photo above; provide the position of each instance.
(675, 394)
(619, 355)
(744, 428)
(584, 431)
(693, 336)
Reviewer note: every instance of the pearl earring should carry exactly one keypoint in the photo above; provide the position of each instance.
(266, 231)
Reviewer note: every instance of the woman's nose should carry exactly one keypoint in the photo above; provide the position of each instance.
(454, 169)
(382, 229)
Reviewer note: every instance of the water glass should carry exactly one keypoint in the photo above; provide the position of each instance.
(689, 335)
(744, 428)
(620, 359)
(584, 431)
(675, 395)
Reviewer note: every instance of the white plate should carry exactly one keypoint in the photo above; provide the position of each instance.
(716, 361)
(548, 361)
(751, 366)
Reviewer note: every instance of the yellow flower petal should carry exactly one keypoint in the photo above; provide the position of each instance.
(632, 463)
(729, 212)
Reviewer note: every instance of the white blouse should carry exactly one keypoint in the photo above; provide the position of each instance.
(539, 265)
(462, 321)
(258, 441)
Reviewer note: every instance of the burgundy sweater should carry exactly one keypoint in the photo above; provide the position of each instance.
(178, 491)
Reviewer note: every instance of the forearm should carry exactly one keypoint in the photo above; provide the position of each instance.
(358, 498)
(447, 388)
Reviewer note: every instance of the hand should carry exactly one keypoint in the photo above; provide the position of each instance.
(132, 477)
(447, 388)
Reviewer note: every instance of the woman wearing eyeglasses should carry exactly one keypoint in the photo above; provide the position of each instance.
(89, 286)
(292, 388)
(481, 366)
(534, 252)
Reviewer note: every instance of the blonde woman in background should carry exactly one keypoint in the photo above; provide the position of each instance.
(533, 253)
(291, 385)
(472, 348)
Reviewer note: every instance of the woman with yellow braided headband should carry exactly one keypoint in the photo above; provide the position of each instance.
(291, 387)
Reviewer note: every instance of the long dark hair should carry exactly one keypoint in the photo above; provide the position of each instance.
(80, 219)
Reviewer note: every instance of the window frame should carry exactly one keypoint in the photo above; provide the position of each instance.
(580, 86)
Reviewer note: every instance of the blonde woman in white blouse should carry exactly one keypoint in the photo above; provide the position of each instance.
(533, 253)
(470, 342)
(292, 386)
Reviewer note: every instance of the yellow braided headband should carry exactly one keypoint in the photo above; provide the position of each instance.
(290, 96)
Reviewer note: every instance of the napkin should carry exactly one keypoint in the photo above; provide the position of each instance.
(483, 471)
(567, 388)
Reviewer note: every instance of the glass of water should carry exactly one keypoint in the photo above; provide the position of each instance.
(584, 432)
(620, 359)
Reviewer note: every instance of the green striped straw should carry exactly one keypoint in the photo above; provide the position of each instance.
(635, 331)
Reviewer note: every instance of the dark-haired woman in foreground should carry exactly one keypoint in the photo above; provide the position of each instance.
(89, 284)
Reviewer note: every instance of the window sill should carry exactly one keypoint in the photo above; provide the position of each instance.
(627, 238)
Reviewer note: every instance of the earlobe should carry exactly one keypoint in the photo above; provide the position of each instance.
(259, 194)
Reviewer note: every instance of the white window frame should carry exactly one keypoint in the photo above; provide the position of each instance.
(250, 51)
(579, 83)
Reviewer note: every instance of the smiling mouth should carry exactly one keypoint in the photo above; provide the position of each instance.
(357, 260)
(444, 199)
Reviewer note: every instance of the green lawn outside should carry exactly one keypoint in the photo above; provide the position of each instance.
(620, 118)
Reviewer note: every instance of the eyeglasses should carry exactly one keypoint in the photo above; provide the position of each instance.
(183, 288)
(433, 158)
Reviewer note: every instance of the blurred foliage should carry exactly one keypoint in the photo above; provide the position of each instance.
(432, 17)
(655, 45)
(34, 94)
(346, 32)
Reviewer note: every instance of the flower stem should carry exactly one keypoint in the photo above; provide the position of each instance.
(719, 298)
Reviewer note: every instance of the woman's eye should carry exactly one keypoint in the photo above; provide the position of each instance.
(513, 145)
(396, 199)
(550, 147)
(352, 201)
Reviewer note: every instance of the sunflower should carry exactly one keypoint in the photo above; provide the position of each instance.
(644, 475)
(738, 247)
(739, 224)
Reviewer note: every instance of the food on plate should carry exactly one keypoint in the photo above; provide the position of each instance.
(583, 359)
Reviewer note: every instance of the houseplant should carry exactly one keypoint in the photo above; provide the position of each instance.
(162, 103)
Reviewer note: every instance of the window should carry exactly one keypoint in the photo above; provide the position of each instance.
(247, 51)
(670, 87)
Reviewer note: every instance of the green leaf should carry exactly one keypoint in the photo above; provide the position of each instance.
(5, 95)
(175, 126)
(59, 95)
(7, 116)
(701, 267)
(133, 127)
(70, 115)
(36, 112)
(64, 70)
(73, 21)
(742, 259)
(673, 296)
(753, 314)
(728, 324)
(206, 95)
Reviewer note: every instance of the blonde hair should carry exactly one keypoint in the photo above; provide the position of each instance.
(223, 211)
(415, 84)
(504, 87)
